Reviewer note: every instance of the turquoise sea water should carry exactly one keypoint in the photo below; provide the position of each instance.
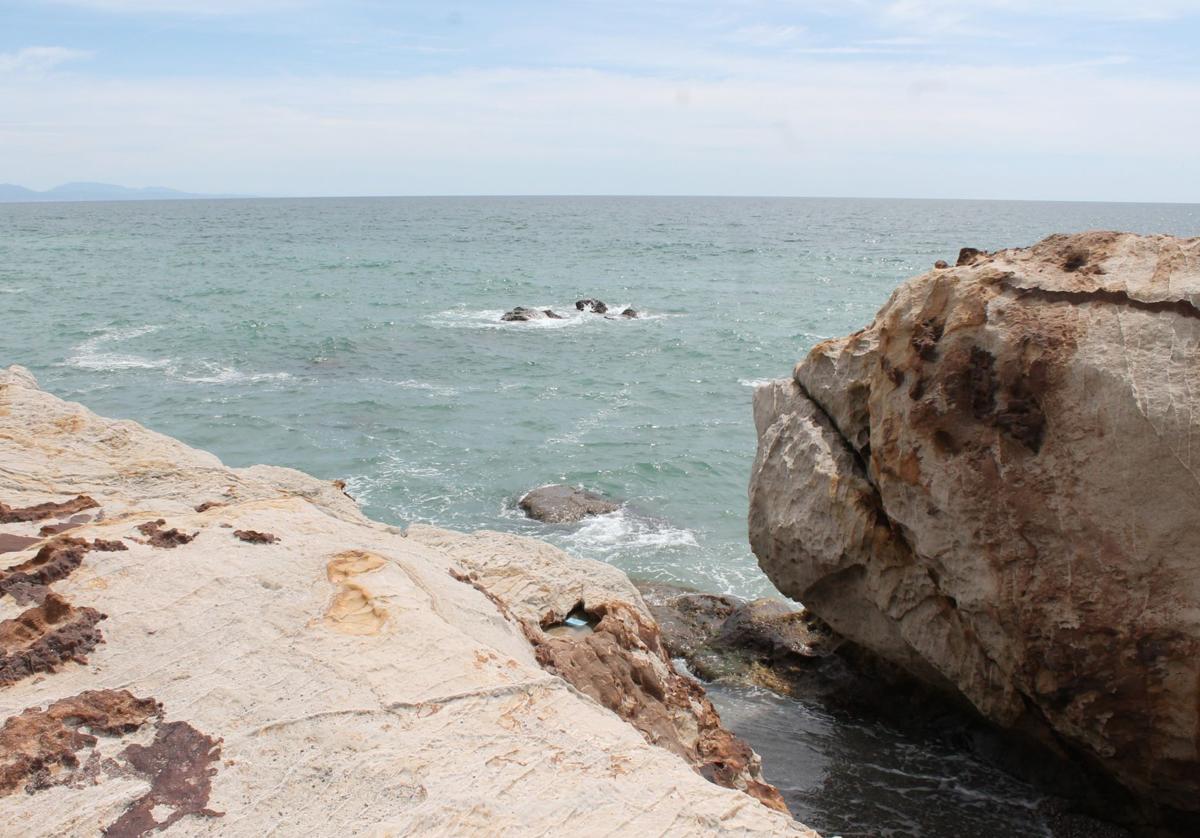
(360, 339)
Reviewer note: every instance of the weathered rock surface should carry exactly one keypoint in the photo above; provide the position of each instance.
(994, 486)
(559, 504)
(336, 678)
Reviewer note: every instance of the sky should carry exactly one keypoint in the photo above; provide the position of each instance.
(1020, 99)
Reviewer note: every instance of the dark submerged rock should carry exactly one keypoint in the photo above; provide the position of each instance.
(560, 504)
(630, 313)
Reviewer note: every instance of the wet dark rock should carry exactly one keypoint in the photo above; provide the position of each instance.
(594, 306)
(559, 504)
(521, 314)
(762, 642)
(968, 256)
(630, 313)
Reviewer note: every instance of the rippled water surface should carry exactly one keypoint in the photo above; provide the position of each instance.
(360, 339)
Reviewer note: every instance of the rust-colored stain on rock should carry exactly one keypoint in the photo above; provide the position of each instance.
(42, 511)
(54, 561)
(46, 636)
(166, 539)
(36, 742)
(179, 764)
(624, 665)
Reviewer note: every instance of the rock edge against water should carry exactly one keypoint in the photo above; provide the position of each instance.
(994, 486)
(224, 651)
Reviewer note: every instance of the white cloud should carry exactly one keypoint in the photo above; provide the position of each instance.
(39, 59)
(812, 128)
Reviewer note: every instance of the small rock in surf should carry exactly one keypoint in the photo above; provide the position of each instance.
(560, 504)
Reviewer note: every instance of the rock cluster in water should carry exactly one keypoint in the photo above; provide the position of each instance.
(229, 651)
(523, 314)
(994, 486)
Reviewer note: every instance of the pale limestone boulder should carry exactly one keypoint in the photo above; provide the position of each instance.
(997, 486)
(342, 679)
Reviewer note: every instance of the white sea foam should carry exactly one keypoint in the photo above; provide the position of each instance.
(210, 373)
(623, 530)
(413, 384)
(93, 353)
(753, 382)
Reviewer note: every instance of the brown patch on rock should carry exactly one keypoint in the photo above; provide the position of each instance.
(255, 537)
(42, 511)
(166, 539)
(39, 741)
(10, 543)
(106, 546)
(54, 561)
(43, 638)
(179, 766)
(208, 504)
(623, 664)
(925, 337)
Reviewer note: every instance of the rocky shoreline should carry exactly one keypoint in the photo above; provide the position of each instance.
(229, 650)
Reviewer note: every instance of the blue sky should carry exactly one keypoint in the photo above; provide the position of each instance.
(1066, 100)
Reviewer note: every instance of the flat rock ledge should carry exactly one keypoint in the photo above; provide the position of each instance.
(207, 650)
(995, 487)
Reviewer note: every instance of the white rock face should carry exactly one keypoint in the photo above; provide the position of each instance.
(337, 680)
(997, 486)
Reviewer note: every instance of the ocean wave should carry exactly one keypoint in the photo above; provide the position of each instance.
(12, 290)
(624, 530)
(211, 373)
(754, 382)
(93, 355)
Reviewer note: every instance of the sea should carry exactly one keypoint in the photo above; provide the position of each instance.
(360, 339)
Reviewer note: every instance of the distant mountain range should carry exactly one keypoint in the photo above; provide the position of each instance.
(11, 193)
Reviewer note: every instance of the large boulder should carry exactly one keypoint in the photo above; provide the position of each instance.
(994, 486)
(240, 651)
